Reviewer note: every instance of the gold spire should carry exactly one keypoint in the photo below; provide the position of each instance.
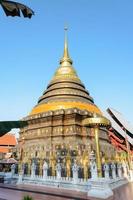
(65, 70)
(66, 58)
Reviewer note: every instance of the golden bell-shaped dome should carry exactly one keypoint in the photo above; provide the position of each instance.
(65, 72)
(65, 90)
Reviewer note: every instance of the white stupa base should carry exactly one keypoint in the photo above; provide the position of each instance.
(100, 190)
(20, 179)
(131, 175)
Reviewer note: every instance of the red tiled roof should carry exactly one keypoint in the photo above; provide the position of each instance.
(8, 140)
(4, 150)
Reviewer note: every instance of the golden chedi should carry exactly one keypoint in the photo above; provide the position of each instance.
(55, 130)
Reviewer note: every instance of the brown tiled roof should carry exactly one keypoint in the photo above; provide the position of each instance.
(8, 140)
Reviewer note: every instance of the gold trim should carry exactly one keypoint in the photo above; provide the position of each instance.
(96, 121)
(65, 105)
(98, 157)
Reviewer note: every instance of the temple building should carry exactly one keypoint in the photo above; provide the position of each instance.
(8, 143)
(121, 134)
(55, 130)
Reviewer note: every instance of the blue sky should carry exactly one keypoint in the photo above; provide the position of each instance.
(100, 44)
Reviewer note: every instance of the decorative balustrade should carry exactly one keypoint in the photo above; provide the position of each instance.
(106, 171)
(110, 171)
(113, 168)
(113, 176)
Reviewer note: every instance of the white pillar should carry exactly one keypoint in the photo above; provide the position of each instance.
(106, 171)
(33, 170)
(45, 170)
(20, 178)
(113, 168)
(58, 170)
(124, 166)
(75, 172)
(13, 169)
(119, 169)
(93, 168)
(131, 175)
(21, 173)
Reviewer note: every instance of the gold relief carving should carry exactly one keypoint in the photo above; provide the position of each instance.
(43, 130)
(66, 130)
(39, 132)
(86, 171)
(68, 165)
(85, 163)
(41, 166)
(29, 167)
(52, 162)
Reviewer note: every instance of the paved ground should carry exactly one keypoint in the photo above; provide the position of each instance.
(124, 193)
(8, 192)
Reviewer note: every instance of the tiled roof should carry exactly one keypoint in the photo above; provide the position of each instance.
(127, 125)
(4, 150)
(8, 140)
(117, 127)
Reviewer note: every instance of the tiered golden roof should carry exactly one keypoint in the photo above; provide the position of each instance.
(65, 90)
